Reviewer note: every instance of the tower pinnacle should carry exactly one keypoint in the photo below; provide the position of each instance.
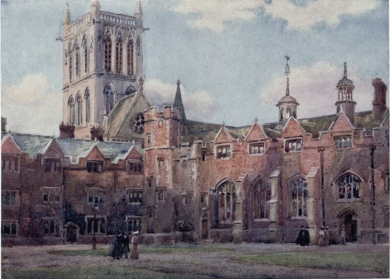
(67, 14)
(287, 72)
(138, 9)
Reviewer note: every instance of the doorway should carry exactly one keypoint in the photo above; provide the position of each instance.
(204, 229)
(71, 233)
(350, 228)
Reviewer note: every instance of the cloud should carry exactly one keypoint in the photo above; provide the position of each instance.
(314, 88)
(300, 15)
(199, 105)
(32, 106)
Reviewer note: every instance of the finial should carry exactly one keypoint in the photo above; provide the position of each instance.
(223, 123)
(138, 9)
(67, 19)
(287, 71)
(345, 69)
(256, 120)
(178, 82)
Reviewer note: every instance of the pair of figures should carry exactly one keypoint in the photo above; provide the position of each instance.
(120, 246)
(303, 238)
(324, 236)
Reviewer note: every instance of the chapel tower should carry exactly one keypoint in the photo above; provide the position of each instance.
(345, 102)
(288, 104)
(102, 61)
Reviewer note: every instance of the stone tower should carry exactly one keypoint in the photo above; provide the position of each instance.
(102, 60)
(288, 104)
(345, 102)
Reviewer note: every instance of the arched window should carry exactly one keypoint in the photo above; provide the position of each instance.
(281, 114)
(109, 98)
(85, 56)
(107, 54)
(137, 123)
(87, 106)
(299, 196)
(70, 67)
(79, 101)
(77, 63)
(261, 194)
(119, 56)
(348, 186)
(226, 203)
(288, 112)
(71, 111)
(130, 55)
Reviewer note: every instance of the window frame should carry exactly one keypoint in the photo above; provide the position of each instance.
(223, 155)
(257, 144)
(48, 192)
(90, 224)
(56, 168)
(300, 203)
(90, 166)
(298, 147)
(347, 189)
(9, 202)
(9, 224)
(340, 144)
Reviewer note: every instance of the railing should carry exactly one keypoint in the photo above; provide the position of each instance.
(119, 19)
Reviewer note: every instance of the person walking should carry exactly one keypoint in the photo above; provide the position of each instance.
(115, 251)
(307, 236)
(327, 237)
(322, 236)
(126, 247)
(342, 235)
(134, 249)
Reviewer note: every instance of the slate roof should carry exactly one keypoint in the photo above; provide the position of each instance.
(206, 132)
(72, 148)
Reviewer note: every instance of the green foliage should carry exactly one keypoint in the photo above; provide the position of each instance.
(326, 260)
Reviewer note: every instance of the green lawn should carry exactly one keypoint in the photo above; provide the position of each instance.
(326, 260)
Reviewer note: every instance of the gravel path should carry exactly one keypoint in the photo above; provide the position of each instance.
(196, 264)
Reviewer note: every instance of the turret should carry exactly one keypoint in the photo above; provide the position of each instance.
(138, 13)
(345, 101)
(178, 103)
(288, 104)
(95, 9)
(379, 102)
(66, 15)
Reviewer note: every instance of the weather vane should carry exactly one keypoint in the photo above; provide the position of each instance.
(287, 71)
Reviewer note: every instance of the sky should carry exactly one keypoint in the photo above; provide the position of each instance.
(228, 54)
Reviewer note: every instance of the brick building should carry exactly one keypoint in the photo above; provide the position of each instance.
(175, 179)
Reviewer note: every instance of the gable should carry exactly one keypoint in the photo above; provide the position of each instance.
(256, 133)
(9, 147)
(341, 123)
(95, 154)
(54, 150)
(134, 154)
(292, 129)
(223, 136)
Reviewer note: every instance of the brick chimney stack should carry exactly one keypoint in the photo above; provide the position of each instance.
(379, 102)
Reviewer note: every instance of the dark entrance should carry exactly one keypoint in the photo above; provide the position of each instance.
(204, 229)
(350, 228)
(71, 233)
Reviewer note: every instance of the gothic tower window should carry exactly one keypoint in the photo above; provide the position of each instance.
(137, 123)
(130, 55)
(299, 196)
(71, 110)
(261, 194)
(226, 203)
(70, 67)
(119, 56)
(107, 54)
(109, 98)
(87, 106)
(281, 114)
(79, 101)
(348, 187)
(85, 56)
(77, 63)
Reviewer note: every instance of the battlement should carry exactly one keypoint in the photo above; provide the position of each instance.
(75, 26)
(168, 112)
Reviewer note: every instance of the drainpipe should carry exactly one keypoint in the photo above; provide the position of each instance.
(321, 150)
(63, 203)
(372, 149)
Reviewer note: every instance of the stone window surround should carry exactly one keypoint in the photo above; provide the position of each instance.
(97, 195)
(297, 201)
(161, 194)
(262, 199)
(54, 166)
(132, 192)
(51, 194)
(9, 224)
(256, 144)
(56, 226)
(340, 144)
(298, 147)
(95, 166)
(100, 227)
(7, 164)
(10, 203)
(221, 147)
(337, 188)
(136, 223)
(134, 166)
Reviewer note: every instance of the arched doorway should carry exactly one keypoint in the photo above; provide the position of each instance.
(349, 220)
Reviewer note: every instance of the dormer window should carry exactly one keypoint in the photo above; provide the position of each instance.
(52, 165)
(95, 166)
(10, 164)
(95, 196)
(293, 145)
(343, 141)
(257, 148)
(223, 151)
(135, 196)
